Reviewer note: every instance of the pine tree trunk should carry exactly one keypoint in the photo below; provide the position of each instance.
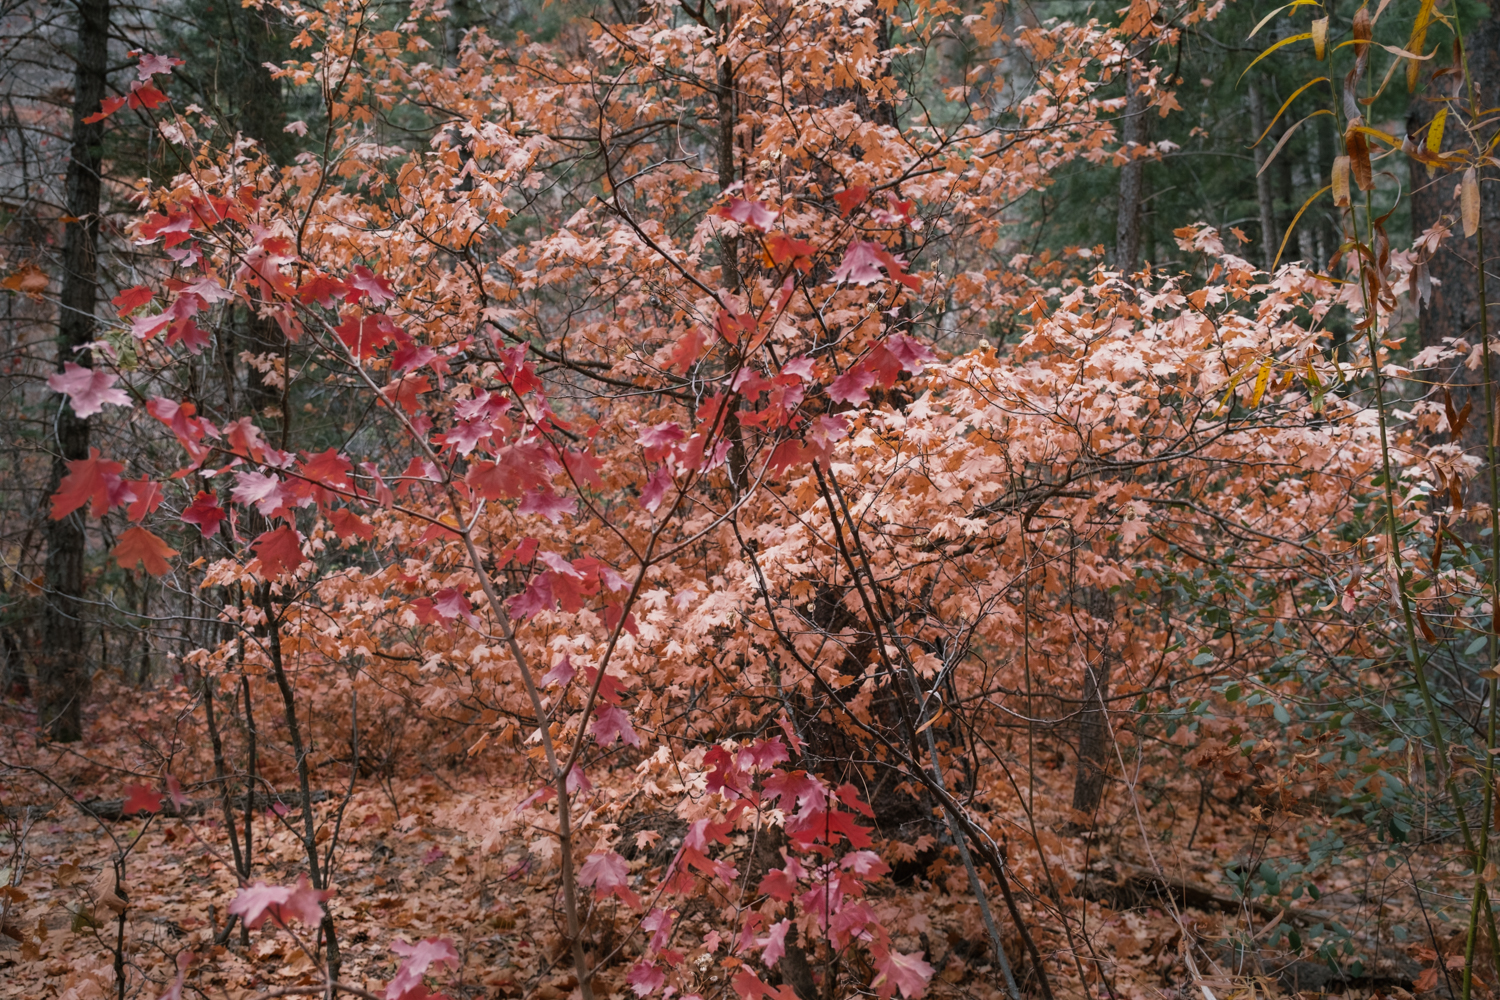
(1269, 238)
(62, 667)
(1128, 211)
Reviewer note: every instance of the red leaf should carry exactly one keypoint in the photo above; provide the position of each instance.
(850, 387)
(329, 468)
(405, 390)
(852, 198)
(371, 284)
(148, 497)
(645, 978)
(140, 799)
(688, 349)
(137, 545)
(347, 523)
(612, 723)
(89, 481)
(279, 552)
(364, 336)
(131, 299)
(783, 249)
(419, 958)
(109, 107)
(206, 513)
(145, 95)
(521, 467)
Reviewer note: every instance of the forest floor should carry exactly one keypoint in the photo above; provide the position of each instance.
(446, 853)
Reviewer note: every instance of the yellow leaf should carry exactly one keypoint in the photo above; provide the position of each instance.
(1285, 41)
(1316, 195)
(1261, 380)
(1469, 202)
(1435, 132)
(1284, 105)
(1320, 37)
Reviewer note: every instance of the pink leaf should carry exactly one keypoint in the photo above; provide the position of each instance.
(562, 671)
(612, 723)
(419, 957)
(747, 213)
(908, 973)
(545, 503)
(255, 903)
(913, 354)
(376, 287)
(656, 488)
(850, 387)
(88, 389)
(774, 943)
(258, 490)
(645, 978)
(152, 64)
(451, 603)
(174, 992)
(608, 873)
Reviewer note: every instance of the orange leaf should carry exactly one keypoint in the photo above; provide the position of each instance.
(89, 481)
(138, 545)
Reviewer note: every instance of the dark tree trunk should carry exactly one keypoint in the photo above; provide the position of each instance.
(1269, 238)
(1453, 309)
(1128, 210)
(62, 668)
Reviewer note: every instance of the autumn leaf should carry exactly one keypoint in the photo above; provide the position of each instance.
(88, 389)
(418, 958)
(347, 524)
(92, 481)
(148, 497)
(131, 299)
(140, 799)
(206, 513)
(278, 551)
(254, 904)
(906, 972)
(137, 545)
(30, 280)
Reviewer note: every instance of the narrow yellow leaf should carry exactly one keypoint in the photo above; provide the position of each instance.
(1285, 41)
(1435, 132)
(1287, 135)
(1296, 218)
(1284, 105)
(1320, 38)
(1469, 201)
(1261, 380)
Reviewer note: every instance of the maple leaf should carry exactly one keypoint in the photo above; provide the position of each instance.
(908, 973)
(260, 490)
(88, 389)
(329, 468)
(656, 488)
(367, 282)
(687, 350)
(140, 799)
(131, 299)
(912, 353)
(608, 873)
(851, 198)
(282, 904)
(137, 545)
(863, 262)
(205, 512)
(419, 958)
(90, 481)
(148, 497)
(107, 108)
(850, 387)
(279, 552)
(153, 64)
(545, 503)
(773, 945)
(519, 469)
(562, 671)
(452, 604)
(346, 523)
(784, 249)
(645, 978)
(612, 723)
(748, 213)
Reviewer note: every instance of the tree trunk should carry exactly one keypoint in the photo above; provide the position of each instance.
(62, 670)
(1128, 211)
(1269, 238)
